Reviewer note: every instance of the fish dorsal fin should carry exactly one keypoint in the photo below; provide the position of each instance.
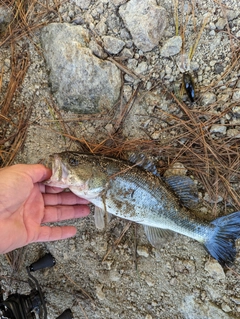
(156, 236)
(144, 162)
(185, 188)
(101, 217)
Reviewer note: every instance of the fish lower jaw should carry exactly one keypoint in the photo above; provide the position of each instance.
(85, 193)
(55, 183)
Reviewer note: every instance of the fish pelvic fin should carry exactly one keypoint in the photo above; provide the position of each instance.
(101, 218)
(157, 236)
(221, 243)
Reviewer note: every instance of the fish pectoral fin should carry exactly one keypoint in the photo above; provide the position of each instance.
(185, 188)
(156, 236)
(101, 217)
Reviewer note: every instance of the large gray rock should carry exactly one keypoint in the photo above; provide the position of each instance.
(146, 22)
(80, 81)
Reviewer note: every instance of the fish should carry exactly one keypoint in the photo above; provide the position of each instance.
(130, 191)
(189, 86)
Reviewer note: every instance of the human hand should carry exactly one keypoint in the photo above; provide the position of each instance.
(26, 204)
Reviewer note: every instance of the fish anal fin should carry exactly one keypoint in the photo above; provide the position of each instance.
(157, 236)
(185, 188)
(101, 217)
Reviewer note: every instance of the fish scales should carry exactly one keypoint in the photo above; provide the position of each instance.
(150, 203)
(131, 192)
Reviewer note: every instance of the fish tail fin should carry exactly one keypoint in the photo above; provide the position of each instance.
(221, 243)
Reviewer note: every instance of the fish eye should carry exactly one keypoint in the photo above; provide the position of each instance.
(73, 161)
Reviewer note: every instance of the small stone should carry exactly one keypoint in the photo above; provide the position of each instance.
(215, 43)
(215, 270)
(142, 251)
(225, 307)
(112, 45)
(211, 200)
(127, 92)
(212, 33)
(101, 27)
(7, 62)
(217, 128)
(208, 98)
(107, 264)
(236, 97)
(212, 63)
(109, 128)
(183, 63)
(65, 256)
(194, 65)
(97, 50)
(221, 23)
(233, 132)
(236, 300)
(189, 266)
(148, 316)
(126, 54)
(83, 4)
(218, 68)
(118, 2)
(156, 135)
(172, 46)
(232, 14)
(141, 68)
(176, 169)
(173, 282)
(99, 293)
(146, 22)
(114, 275)
(150, 282)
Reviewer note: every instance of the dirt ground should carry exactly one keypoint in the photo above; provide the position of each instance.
(116, 273)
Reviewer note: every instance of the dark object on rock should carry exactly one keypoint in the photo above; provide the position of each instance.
(189, 86)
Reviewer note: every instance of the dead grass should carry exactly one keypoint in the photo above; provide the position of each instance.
(28, 15)
(13, 122)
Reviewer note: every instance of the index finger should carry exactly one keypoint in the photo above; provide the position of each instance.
(50, 189)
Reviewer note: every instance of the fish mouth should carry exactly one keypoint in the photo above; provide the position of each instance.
(59, 172)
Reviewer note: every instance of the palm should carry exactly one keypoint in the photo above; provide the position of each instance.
(25, 205)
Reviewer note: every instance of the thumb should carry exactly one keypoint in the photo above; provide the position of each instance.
(37, 172)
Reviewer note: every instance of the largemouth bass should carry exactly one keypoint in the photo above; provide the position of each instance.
(128, 191)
